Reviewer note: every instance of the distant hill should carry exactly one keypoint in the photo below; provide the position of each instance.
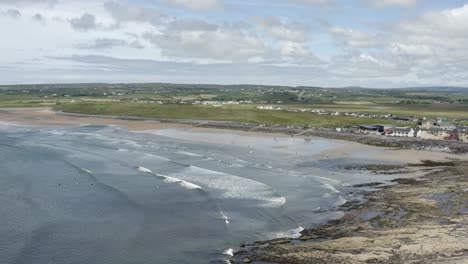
(440, 89)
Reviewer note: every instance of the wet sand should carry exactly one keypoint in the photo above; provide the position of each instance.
(47, 117)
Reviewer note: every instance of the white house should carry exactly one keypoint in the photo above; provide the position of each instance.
(400, 132)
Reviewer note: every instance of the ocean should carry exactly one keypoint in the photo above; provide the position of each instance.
(103, 194)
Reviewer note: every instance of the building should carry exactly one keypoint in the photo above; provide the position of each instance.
(446, 126)
(462, 133)
(435, 134)
(427, 124)
(371, 129)
(436, 124)
(401, 132)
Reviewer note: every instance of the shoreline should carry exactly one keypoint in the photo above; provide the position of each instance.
(417, 220)
(379, 141)
(58, 118)
(385, 228)
(47, 117)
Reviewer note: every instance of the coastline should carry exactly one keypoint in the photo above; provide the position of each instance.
(418, 220)
(388, 227)
(46, 116)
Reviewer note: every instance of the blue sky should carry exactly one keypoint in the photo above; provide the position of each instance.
(331, 43)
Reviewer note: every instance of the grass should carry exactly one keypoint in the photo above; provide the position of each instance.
(427, 110)
(238, 113)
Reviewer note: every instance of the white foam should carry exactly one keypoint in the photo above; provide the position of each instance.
(185, 184)
(6, 123)
(56, 132)
(143, 169)
(232, 187)
(87, 171)
(189, 154)
(151, 156)
(293, 233)
(235, 165)
(229, 252)
(189, 185)
(226, 219)
(330, 187)
(340, 201)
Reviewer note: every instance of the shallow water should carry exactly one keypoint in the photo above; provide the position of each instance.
(102, 194)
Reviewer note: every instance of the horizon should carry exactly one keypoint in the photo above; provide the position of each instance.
(375, 44)
(243, 84)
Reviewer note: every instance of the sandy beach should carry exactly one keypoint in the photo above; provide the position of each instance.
(48, 117)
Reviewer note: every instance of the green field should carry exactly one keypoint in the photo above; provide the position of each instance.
(427, 110)
(183, 101)
(238, 113)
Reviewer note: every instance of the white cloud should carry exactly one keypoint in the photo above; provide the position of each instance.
(313, 2)
(123, 13)
(84, 23)
(281, 30)
(201, 40)
(13, 13)
(196, 4)
(27, 2)
(424, 48)
(355, 38)
(109, 43)
(392, 3)
(38, 18)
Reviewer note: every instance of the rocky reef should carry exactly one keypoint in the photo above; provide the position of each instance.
(423, 220)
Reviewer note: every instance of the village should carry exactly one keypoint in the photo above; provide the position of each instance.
(412, 126)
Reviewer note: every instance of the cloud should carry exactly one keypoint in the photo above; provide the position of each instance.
(202, 40)
(313, 2)
(13, 13)
(392, 3)
(123, 13)
(84, 23)
(112, 69)
(196, 4)
(355, 38)
(108, 43)
(282, 30)
(291, 40)
(427, 48)
(28, 2)
(38, 18)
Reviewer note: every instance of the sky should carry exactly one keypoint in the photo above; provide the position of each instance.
(327, 43)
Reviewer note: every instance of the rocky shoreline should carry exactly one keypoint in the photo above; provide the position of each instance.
(404, 143)
(423, 220)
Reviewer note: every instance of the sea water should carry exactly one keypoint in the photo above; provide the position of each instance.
(103, 194)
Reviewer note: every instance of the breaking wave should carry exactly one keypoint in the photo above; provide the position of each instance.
(330, 187)
(224, 216)
(232, 187)
(168, 179)
(189, 154)
(292, 233)
(229, 252)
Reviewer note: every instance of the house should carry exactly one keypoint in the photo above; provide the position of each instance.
(462, 133)
(372, 129)
(446, 126)
(427, 124)
(436, 124)
(401, 132)
(434, 134)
